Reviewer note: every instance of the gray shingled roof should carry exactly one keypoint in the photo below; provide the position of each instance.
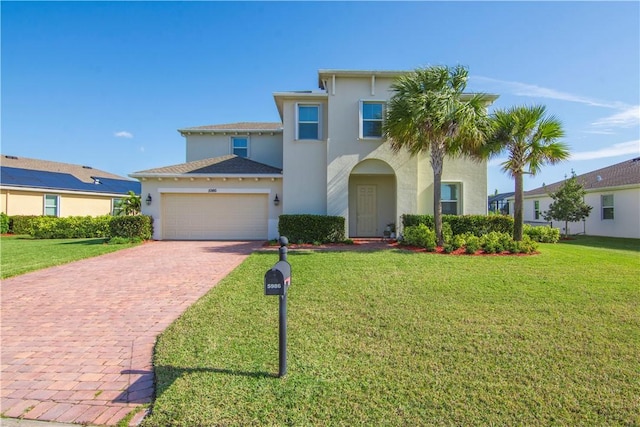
(230, 164)
(625, 173)
(83, 173)
(240, 126)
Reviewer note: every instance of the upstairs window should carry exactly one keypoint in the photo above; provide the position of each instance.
(51, 205)
(606, 201)
(308, 121)
(450, 198)
(371, 116)
(240, 146)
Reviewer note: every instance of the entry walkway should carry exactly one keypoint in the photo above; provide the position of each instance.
(77, 340)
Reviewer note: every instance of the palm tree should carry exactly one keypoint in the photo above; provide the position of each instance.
(429, 112)
(530, 137)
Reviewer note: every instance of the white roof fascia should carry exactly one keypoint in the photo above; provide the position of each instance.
(203, 175)
(236, 131)
(59, 191)
(279, 97)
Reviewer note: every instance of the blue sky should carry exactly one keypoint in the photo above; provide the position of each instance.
(107, 84)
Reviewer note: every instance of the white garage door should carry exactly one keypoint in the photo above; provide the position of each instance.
(214, 216)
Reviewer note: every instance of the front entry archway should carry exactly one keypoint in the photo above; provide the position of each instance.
(372, 198)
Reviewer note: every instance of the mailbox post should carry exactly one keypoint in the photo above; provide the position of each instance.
(276, 282)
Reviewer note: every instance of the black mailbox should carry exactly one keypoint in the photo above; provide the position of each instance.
(278, 279)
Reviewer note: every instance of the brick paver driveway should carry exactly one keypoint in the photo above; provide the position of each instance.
(77, 339)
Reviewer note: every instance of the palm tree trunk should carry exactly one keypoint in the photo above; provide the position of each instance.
(517, 207)
(437, 159)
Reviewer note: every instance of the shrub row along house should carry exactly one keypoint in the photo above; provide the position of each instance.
(614, 194)
(327, 156)
(42, 187)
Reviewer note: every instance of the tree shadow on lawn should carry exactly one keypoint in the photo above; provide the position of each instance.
(89, 242)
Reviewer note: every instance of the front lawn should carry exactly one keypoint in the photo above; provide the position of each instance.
(402, 338)
(22, 254)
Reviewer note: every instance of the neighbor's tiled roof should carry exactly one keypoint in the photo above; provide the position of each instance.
(43, 174)
(625, 173)
(230, 164)
(240, 126)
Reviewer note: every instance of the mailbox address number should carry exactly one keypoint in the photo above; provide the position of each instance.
(274, 286)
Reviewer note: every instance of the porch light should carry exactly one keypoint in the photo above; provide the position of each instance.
(276, 201)
(148, 200)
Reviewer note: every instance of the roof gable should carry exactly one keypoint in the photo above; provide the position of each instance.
(224, 165)
(620, 174)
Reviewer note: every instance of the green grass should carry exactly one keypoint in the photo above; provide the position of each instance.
(22, 254)
(402, 338)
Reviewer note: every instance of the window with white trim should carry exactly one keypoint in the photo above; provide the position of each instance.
(606, 200)
(51, 205)
(308, 121)
(536, 209)
(371, 117)
(116, 207)
(240, 146)
(450, 198)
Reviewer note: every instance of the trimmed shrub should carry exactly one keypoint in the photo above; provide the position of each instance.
(72, 227)
(495, 242)
(131, 226)
(307, 228)
(477, 225)
(421, 236)
(4, 223)
(21, 224)
(472, 244)
(542, 233)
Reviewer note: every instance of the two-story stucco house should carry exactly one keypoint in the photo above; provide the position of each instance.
(327, 156)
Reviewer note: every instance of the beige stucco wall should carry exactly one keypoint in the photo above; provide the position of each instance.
(304, 165)
(626, 222)
(265, 148)
(17, 202)
(156, 187)
(414, 176)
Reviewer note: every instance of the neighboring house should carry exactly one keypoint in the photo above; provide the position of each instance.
(40, 187)
(327, 156)
(614, 194)
(499, 203)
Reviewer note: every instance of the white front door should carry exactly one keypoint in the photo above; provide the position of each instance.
(366, 218)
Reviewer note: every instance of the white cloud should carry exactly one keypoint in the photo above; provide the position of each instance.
(628, 117)
(123, 134)
(621, 149)
(533, 91)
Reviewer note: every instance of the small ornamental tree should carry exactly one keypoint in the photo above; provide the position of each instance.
(129, 204)
(568, 204)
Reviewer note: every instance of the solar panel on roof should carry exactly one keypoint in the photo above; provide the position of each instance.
(64, 181)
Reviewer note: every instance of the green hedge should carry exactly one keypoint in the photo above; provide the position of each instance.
(74, 227)
(421, 236)
(542, 233)
(477, 225)
(21, 224)
(131, 226)
(305, 228)
(4, 223)
(71, 227)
